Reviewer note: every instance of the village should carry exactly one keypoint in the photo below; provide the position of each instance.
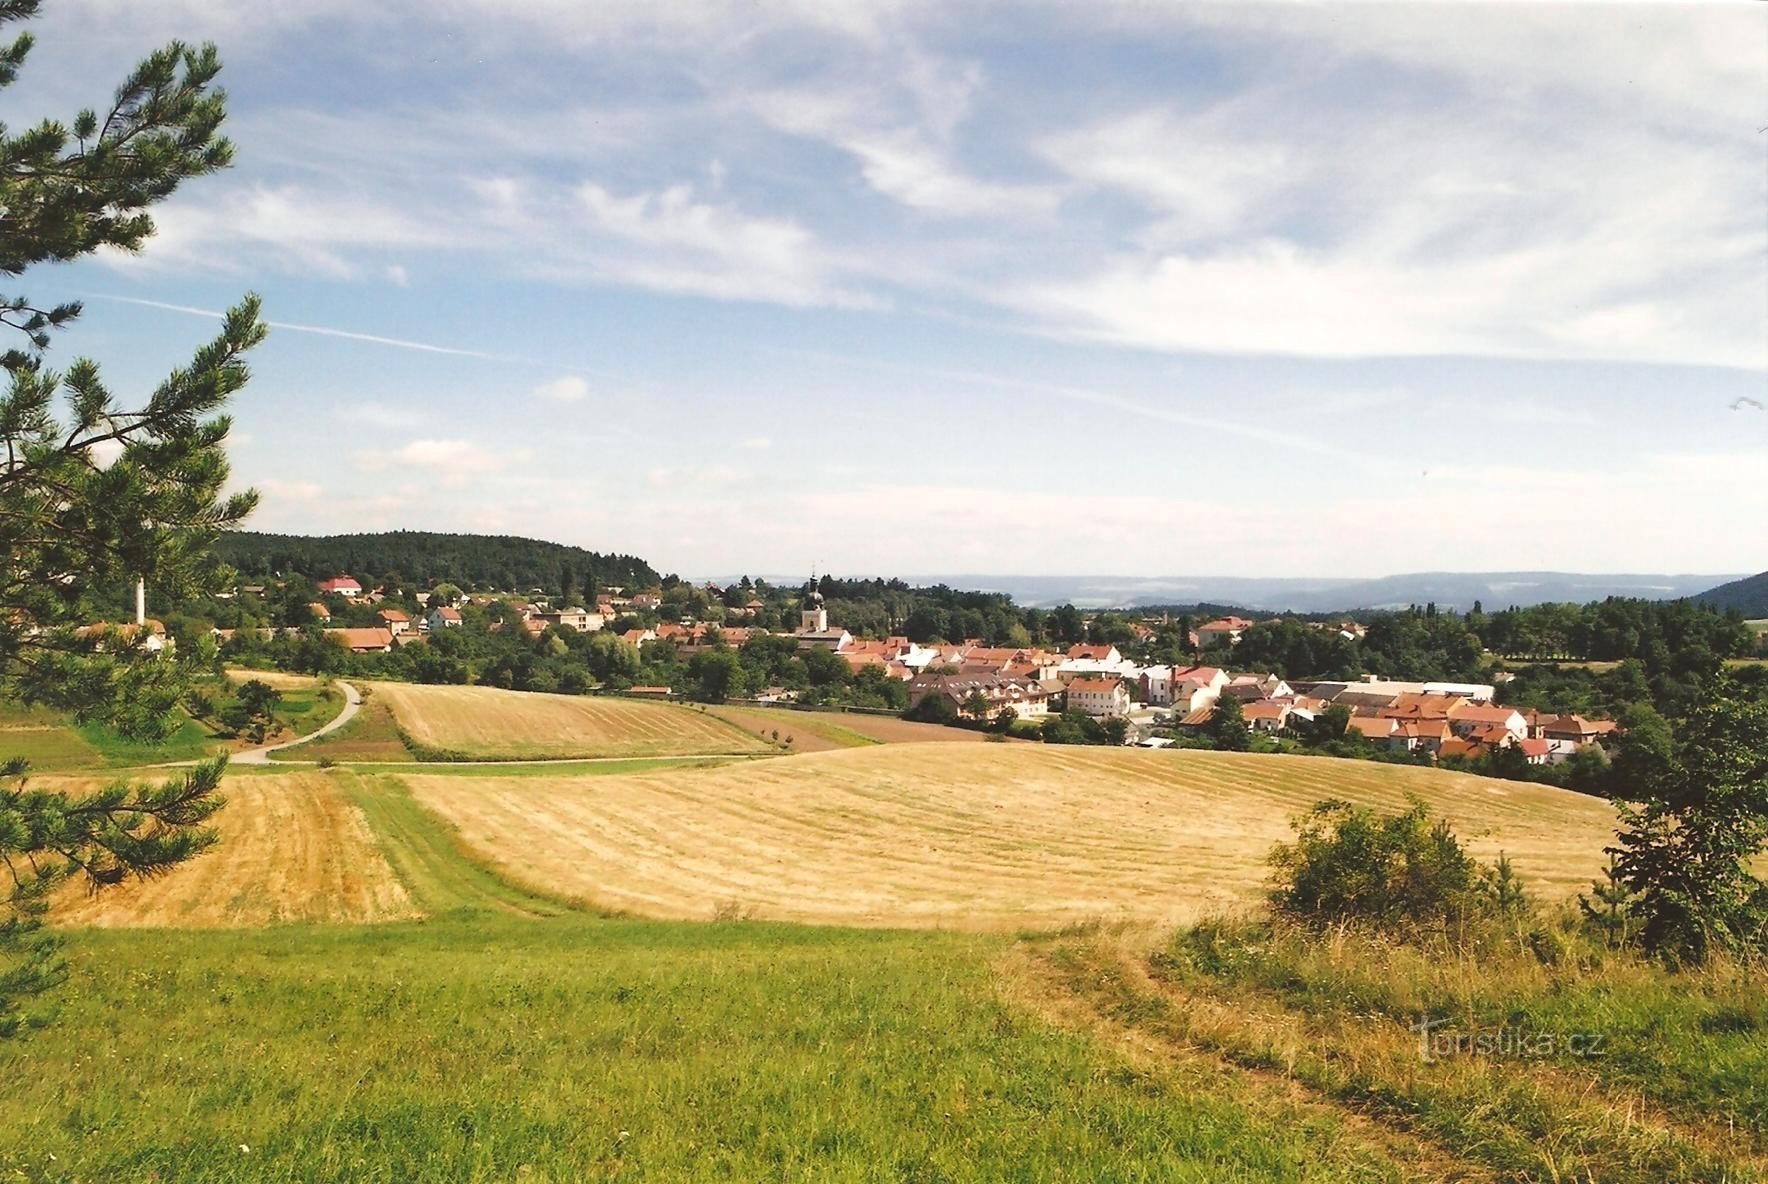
(1159, 703)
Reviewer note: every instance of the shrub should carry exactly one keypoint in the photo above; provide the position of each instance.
(1399, 872)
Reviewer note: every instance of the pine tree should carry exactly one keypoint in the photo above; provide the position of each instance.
(1612, 907)
(94, 494)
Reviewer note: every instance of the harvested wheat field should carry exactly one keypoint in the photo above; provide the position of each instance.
(825, 731)
(484, 723)
(973, 836)
(293, 848)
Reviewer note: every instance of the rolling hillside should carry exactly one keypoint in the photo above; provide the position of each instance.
(1748, 596)
(974, 836)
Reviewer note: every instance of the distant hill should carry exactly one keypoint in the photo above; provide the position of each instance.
(427, 558)
(1456, 590)
(1748, 596)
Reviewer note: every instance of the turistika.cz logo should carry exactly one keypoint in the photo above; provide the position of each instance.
(1437, 1042)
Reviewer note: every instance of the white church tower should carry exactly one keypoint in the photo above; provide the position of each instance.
(812, 616)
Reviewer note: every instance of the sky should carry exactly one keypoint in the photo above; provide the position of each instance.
(1298, 290)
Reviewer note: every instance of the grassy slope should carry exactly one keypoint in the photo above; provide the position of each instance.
(510, 1037)
(575, 1049)
(1664, 1084)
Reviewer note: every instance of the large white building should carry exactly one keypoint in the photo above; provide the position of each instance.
(1099, 696)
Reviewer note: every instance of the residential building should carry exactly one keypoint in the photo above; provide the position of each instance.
(395, 621)
(343, 586)
(1224, 629)
(443, 618)
(1099, 696)
(1577, 729)
(363, 641)
(1266, 715)
(1472, 717)
(1025, 701)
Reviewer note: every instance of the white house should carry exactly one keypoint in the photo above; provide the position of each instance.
(343, 586)
(443, 618)
(1470, 718)
(1183, 688)
(1099, 696)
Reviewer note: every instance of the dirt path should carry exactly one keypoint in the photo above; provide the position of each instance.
(261, 756)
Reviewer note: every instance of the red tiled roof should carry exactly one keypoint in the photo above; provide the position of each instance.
(1374, 729)
(362, 639)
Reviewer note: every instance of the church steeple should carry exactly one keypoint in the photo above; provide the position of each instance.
(812, 616)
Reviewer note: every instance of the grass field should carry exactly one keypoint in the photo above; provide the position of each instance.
(975, 836)
(51, 742)
(371, 735)
(496, 1048)
(483, 723)
(1598, 1067)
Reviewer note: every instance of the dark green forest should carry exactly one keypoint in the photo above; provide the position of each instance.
(423, 558)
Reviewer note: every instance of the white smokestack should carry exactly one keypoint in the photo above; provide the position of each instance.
(140, 602)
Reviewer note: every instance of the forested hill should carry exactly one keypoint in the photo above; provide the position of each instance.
(423, 558)
(1748, 596)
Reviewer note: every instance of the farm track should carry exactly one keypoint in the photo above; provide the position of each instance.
(1371, 1075)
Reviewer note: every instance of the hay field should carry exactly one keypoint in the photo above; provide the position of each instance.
(484, 723)
(970, 836)
(293, 848)
(825, 731)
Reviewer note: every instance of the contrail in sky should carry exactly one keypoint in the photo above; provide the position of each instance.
(348, 335)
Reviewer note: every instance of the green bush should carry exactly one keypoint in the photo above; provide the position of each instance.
(1398, 872)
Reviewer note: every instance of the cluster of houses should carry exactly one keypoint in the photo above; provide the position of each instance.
(1437, 719)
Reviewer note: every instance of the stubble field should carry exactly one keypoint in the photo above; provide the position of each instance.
(293, 847)
(483, 723)
(984, 836)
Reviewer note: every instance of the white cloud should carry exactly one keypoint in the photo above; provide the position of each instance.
(382, 416)
(293, 227)
(396, 275)
(756, 442)
(289, 491)
(566, 389)
(452, 459)
(679, 244)
(902, 166)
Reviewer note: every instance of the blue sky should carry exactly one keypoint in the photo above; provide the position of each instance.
(1296, 290)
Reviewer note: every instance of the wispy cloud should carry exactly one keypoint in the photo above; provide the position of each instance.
(566, 389)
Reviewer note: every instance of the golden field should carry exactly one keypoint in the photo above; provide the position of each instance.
(293, 847)
(484, 723)
(971, 836)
